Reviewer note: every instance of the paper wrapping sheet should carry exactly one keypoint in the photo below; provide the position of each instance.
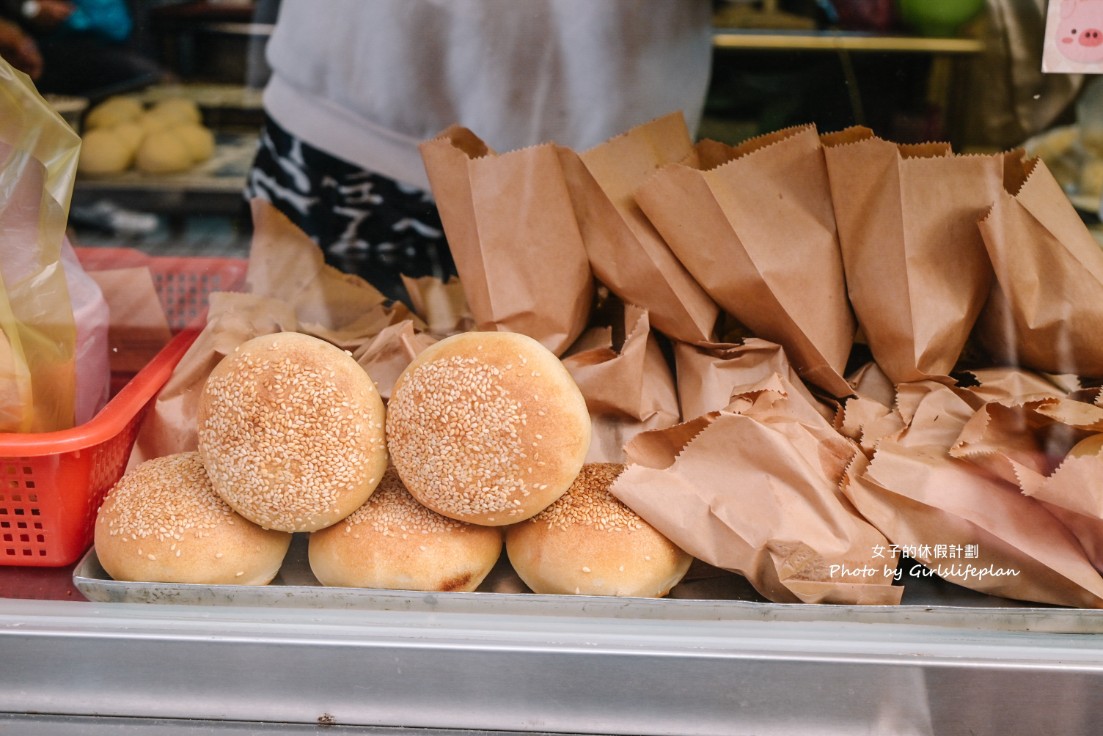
(709, 376)
(628, 386)
(754, 489)
(965, 524)
(1025, 440)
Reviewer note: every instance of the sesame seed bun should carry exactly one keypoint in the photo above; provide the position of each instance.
(487, 427)
(589, 543)
(394, 542)
(290, 429)
(163, 523)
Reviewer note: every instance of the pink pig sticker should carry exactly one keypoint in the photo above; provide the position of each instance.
(1080, 32)
(1074, 37)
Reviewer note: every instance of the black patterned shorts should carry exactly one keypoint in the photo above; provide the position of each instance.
(365, 223)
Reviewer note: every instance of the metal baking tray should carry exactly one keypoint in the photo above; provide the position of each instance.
(707, 594)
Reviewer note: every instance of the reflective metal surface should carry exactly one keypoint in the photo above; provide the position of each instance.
(542, 673)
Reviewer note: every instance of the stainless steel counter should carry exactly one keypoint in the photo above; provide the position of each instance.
(541, 673)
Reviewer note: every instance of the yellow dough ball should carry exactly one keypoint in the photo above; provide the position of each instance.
(131, 134)
(154, 123)
(163, 152)
(112, 111)
(198, 139)
(177, 109)
(103, 152)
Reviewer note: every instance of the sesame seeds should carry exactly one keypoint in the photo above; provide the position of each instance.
(455, 434)
(392, 511)
(163, 499)
(289, 431)
(487, 427)
(589, 502)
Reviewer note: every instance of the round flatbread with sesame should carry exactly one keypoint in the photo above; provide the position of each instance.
(291, 431)
(395, 543)
(589, 543)
(487, 427)
(163, 523)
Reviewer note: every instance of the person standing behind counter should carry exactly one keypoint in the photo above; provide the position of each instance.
(356, 86)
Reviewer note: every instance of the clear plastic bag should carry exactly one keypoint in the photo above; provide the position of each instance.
(38, 158)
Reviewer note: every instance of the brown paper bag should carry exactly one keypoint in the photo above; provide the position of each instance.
(753, 490)
(869, 414)
(513, 235)
(962, 523)
(709, 376)
(626, 253)
(1026, 442)
(758, 232)
(284, 263)
(1047, 313)
(387, 354)
(442, 306)
(627, 383)
(916, 269)
(971, 528)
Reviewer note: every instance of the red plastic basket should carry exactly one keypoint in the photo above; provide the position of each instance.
(182, 282)
(52, 483)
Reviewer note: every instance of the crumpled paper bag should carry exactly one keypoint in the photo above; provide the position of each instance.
(710, 376)
(964, 524)
(1026, 440)
(754, 489)
(628, 385)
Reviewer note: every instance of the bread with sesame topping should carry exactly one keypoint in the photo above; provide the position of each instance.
(163, 523)
(393, 542)
(589, 543)
(291, 431)
(487, 427)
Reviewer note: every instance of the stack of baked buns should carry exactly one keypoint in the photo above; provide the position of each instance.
(480, 448)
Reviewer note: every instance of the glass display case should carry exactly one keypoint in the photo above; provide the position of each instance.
(728, 651)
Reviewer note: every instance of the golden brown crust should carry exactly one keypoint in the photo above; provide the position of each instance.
(589, 543)
(162, 522)
(394, 542)
(487, 427)
(291, 430)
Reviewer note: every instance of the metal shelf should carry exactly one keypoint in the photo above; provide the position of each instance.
(753, 40)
